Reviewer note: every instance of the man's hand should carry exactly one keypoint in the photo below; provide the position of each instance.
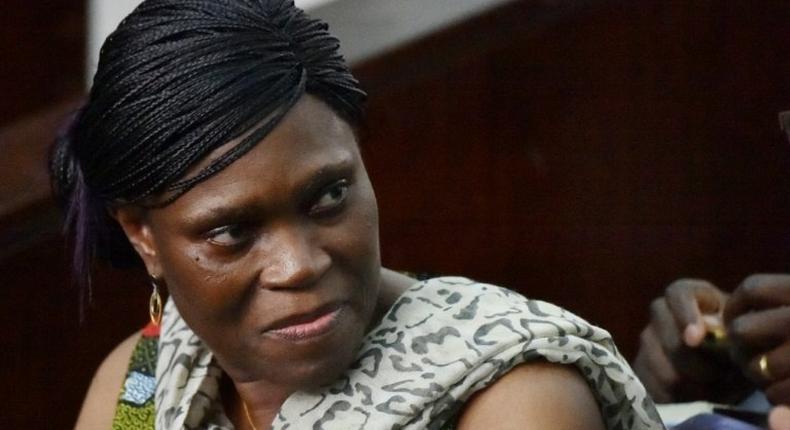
(758, 323)
(673, 362)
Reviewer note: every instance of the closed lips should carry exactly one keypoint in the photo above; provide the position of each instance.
(307, 325)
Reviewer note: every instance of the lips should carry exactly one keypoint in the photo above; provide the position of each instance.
(304, 326)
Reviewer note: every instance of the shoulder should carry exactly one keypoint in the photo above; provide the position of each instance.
(534, 396)
(98, 408)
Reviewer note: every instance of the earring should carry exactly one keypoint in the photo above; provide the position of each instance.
(155, 303)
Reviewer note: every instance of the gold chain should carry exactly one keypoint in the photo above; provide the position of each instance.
(247, 414)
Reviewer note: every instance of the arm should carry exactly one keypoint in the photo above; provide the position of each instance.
(538, 395)
(98, 408)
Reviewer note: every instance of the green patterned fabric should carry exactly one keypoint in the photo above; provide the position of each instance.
(135, 408)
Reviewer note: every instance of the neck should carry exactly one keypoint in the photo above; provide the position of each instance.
(393, 284)
(261, 400)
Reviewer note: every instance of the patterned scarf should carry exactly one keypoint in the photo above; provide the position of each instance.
(442, 340)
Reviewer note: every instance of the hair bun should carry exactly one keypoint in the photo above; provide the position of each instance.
(63, 164)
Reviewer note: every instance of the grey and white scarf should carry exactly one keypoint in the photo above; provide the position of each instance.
(442, 340)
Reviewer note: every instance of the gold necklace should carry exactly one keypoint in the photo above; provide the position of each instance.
(247, 414)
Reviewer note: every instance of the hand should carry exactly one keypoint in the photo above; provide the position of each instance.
(757, 317)
(779, 418)
(671, 361)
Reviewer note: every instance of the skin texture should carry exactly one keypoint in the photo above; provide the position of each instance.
(98, 408)
(676, 366)
(535, 396)
(779, 418)
(289, 228)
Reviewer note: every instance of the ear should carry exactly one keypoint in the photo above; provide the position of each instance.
(135, 224)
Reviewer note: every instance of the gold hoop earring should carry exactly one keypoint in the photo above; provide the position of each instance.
(155, 303)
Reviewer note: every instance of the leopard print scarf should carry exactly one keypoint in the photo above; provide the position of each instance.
(443, 340)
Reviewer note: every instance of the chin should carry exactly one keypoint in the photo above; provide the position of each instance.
(311, 375)
(310, 364)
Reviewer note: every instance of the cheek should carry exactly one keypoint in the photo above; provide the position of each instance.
(362, 236)
(367, 257)
(201, 287)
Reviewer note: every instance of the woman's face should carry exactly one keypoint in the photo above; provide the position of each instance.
(274, 261)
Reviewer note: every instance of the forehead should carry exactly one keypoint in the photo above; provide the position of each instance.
(309, 139)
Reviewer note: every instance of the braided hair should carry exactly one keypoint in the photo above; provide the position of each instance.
(176, 80)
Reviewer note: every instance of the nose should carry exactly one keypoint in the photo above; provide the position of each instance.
(293, 259)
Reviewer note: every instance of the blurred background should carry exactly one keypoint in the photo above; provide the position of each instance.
(582, 152)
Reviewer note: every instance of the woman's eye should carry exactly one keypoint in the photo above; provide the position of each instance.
(228, 235)
(332, 198)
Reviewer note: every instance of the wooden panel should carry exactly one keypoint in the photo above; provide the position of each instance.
(592, 160)
(27, 213)
(42, 50)
(54, 352)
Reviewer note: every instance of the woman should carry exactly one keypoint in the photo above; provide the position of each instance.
(218, 141)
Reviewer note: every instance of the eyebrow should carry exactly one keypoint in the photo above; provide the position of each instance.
(305, 189)
(315, 182)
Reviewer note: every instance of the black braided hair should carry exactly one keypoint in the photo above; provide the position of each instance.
(176, 80)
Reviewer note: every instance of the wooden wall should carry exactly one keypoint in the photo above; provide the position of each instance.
(589, 157)
(41, 54)
(587, 153)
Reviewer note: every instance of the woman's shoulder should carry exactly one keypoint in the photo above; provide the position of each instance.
(466, 300)
(534, 395)
(98, 408)
(473, 322)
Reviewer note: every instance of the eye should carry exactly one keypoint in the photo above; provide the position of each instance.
(229, 235)
(332, 198)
